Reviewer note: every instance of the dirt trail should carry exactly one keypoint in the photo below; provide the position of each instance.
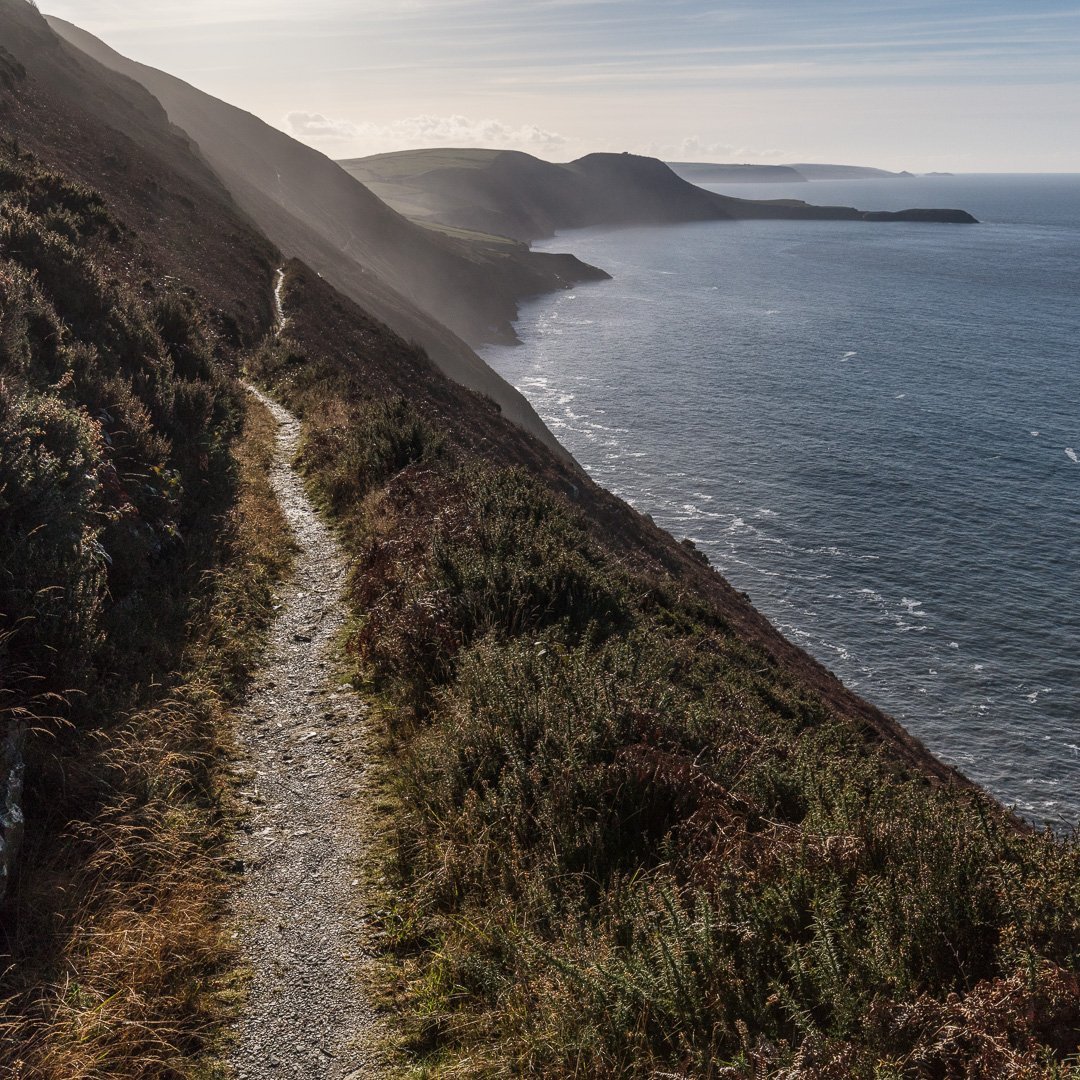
(280, 318)
(298, 904)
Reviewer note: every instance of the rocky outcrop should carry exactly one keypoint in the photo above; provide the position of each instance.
(11, 815)
(11, 71)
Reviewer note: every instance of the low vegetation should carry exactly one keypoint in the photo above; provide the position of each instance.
(139, 543)
(625, 843)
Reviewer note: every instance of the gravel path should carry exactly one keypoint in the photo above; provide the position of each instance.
(281, 320)
(299, 904)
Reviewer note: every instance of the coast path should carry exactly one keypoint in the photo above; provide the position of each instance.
(305, 747)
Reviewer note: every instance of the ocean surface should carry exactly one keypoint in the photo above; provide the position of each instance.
(873, 429)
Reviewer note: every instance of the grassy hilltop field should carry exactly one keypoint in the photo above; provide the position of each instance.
(623, 827)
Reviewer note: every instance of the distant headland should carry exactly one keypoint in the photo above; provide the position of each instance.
(509, 193)
(705, 172)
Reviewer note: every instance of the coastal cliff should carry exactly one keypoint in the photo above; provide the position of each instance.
(699, 172)
(623, 827)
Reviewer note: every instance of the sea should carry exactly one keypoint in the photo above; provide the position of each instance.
(871, 428)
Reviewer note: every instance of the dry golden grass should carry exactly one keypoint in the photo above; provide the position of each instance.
(119, 956)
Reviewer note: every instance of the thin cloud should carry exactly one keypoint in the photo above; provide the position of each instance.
(979, 83)
(309, 125)
(417, 132)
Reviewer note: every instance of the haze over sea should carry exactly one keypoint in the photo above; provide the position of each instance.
(873, 429)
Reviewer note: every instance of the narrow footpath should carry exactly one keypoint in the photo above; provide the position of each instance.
(298, 905)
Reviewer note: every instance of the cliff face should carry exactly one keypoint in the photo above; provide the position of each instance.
(12, 821)
(819, 171)
(708, 173)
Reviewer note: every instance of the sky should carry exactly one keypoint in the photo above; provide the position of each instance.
(955, 85)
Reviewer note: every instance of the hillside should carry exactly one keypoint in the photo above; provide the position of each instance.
(438, 290)
(109, 133)
(622, 827)
(137, 556)
(520, 196)
(517, 195)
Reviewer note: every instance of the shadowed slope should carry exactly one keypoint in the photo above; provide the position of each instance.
(108, 132)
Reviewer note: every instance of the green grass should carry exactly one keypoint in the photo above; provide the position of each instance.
(482, 238)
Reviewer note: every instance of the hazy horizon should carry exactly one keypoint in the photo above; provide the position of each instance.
(960, 86)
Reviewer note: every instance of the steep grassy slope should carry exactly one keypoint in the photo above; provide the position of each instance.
(634, 833)
(138, 544)
(430, 287)
(523, 197)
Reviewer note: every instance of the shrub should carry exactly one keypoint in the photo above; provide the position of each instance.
(628, 845)
(52, 563)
